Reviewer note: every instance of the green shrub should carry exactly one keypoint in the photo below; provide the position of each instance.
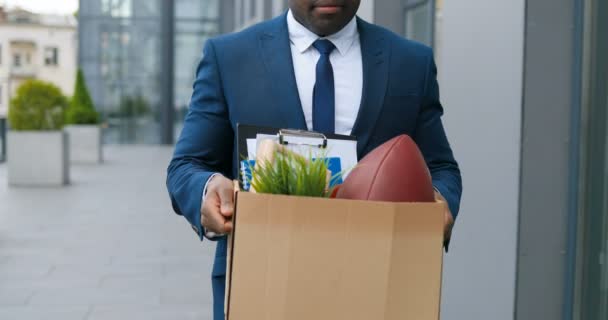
(81, 109)
(37, 105)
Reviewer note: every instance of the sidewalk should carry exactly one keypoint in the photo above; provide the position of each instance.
(106, 247)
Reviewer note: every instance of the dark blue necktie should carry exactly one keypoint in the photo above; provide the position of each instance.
(324, 96)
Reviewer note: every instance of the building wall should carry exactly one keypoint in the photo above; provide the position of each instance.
(62, 75)
(481, 85)
(481, 90)
(549, 149)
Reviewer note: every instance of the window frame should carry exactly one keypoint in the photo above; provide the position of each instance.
(17, 63)
(408, 6)
(53, 60)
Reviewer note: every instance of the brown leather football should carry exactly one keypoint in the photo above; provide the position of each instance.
(393, 172)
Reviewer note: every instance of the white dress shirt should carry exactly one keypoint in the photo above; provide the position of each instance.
(346, 61)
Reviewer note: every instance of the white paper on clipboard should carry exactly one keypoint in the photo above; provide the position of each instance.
(346, 150)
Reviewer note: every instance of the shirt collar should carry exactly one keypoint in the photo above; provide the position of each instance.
(303, 38)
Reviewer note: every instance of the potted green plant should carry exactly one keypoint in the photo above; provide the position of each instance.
(83, 126)
(280, 171)
(37, 150)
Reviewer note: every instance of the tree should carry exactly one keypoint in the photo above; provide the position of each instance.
(81, 110)
(38, 105)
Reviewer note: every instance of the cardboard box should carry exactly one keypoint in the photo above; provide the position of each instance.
(298, 258)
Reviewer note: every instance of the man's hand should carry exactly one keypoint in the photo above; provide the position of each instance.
(218, 207)
(448, 220)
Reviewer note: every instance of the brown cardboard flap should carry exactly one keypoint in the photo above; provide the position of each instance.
(310, 258)
(237, 190)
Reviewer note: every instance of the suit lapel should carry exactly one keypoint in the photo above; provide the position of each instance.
(276, 55)
(375, 53)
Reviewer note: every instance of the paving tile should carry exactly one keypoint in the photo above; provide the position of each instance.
(195, 294)
(194, 312)
(76, 281)
(29, 313)
(99, 271)
(108, 246)
(96, 296)
(174, 281)
(24, 272)
(14, 297)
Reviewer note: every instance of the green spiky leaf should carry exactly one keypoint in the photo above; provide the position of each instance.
(292, 174)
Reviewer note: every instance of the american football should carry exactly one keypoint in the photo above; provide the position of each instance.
(393, 172)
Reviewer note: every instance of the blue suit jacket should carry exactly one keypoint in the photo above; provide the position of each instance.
(247, 77)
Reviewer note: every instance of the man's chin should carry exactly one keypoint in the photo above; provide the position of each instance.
(325, 26)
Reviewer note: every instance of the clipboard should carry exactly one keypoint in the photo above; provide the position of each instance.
(290, 137)
(245, 131)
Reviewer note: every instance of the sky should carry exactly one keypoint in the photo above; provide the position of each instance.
(44, 6)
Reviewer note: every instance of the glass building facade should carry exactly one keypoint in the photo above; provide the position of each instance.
(593, 216)
(419, 21)
(139, 58)
(195, 22)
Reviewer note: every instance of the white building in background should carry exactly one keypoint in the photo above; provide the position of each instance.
(34, 46)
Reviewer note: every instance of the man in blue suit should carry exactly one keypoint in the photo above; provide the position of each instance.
(317, 67)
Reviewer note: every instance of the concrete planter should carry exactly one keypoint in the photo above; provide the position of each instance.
(85, 144)
(38, 158)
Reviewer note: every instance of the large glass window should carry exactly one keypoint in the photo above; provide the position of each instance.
(419, 20)
(116, 8)
(593, 293)
(120, 54)
(253, 9)
(195, 22)
(147, 9)
(196, 9)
